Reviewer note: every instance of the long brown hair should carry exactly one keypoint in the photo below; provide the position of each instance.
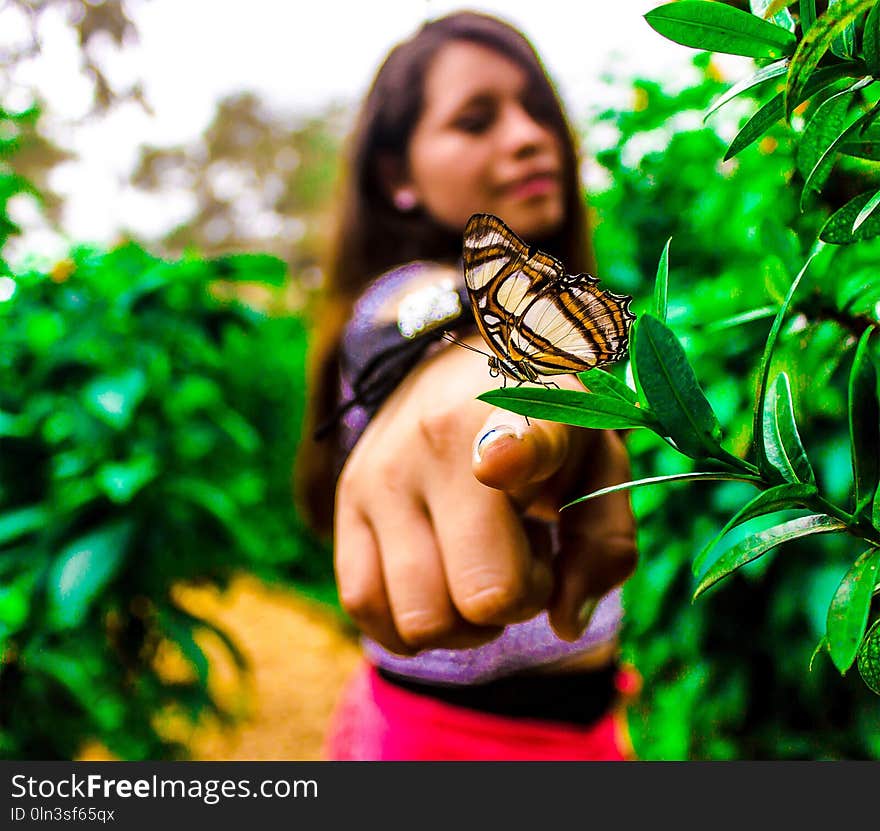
(373, 236)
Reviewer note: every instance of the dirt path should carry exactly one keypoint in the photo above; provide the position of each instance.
(300, 657)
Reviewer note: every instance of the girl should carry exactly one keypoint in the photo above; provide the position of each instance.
(489, 618)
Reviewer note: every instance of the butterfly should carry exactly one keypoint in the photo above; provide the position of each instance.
(536, 319)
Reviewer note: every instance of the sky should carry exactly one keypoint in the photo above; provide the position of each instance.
(299, 56)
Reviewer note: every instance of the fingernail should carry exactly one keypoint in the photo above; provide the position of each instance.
(585, 615)
(493, 436)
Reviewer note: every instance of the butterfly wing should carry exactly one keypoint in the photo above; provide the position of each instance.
(502, 279)
(571, 327)
(530, 312)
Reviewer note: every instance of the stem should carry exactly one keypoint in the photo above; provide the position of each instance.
(832, 510)
(854, 527)
(724, 458)
(736, 463)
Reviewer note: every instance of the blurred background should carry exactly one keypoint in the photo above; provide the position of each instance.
(161, 115)
(166, 182)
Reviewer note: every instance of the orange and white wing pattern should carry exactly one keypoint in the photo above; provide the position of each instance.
(500, 278)
(537, 319)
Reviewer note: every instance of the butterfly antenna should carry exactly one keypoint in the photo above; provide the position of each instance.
(452, 339)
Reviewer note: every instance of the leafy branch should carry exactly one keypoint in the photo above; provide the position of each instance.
(824, 66)
(668, 400)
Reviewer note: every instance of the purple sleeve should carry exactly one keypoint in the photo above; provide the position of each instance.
(396, 320)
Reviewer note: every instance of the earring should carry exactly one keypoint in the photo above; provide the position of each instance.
(405, 200)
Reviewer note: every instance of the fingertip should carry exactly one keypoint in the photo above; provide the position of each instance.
(494, 436)
(518, 453)
(502, 455)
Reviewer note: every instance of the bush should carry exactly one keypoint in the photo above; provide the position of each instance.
(741, 672)
(147, 432)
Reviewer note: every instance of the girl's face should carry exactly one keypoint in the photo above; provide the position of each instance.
(479, 148)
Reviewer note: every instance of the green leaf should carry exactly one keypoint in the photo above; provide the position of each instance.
(76, 673)
(767, 357)
(216, 503)
(865, 212)
(857, 289)
(849, 609)
(195, 622)
(766, 116)
(760, 543)
(822, 135)
(775, 11)
(782, 443)
(661, 284)
(807, 14)
(843, 45)
(750, 316)
(238, 428)
(114, 399)
(582, 409)
(778, 498)
(122, 480)
(824, 127)
(815, 44)
(670, 389)
(774, 109)
(15, 603)
(838, 229)
(867, 147)
(871, 40)
(600, 382)
(864, 422)
(770, 7)
(82, 570)
(764, 74)
(820, 647)
(868, 659)
(15, 426)
(180, 630)
(257, 268)
(716, 27)
(17, 523)
(675, 477)
(151, 280)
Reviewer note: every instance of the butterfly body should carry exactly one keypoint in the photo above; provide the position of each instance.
(536, 319)
(517, 370)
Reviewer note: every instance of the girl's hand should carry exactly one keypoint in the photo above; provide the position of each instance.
(428, 556)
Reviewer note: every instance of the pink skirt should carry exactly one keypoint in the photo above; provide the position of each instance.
(375, 720)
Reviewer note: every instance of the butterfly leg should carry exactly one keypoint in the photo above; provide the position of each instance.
(518, 385)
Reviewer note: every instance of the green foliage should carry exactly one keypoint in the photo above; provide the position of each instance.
(760, 339)
(668, 388)
(147, 432)
(837, 46)
(869, 658)
(570, 407)
(818, 319)
(849, 610)
(721, 28)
